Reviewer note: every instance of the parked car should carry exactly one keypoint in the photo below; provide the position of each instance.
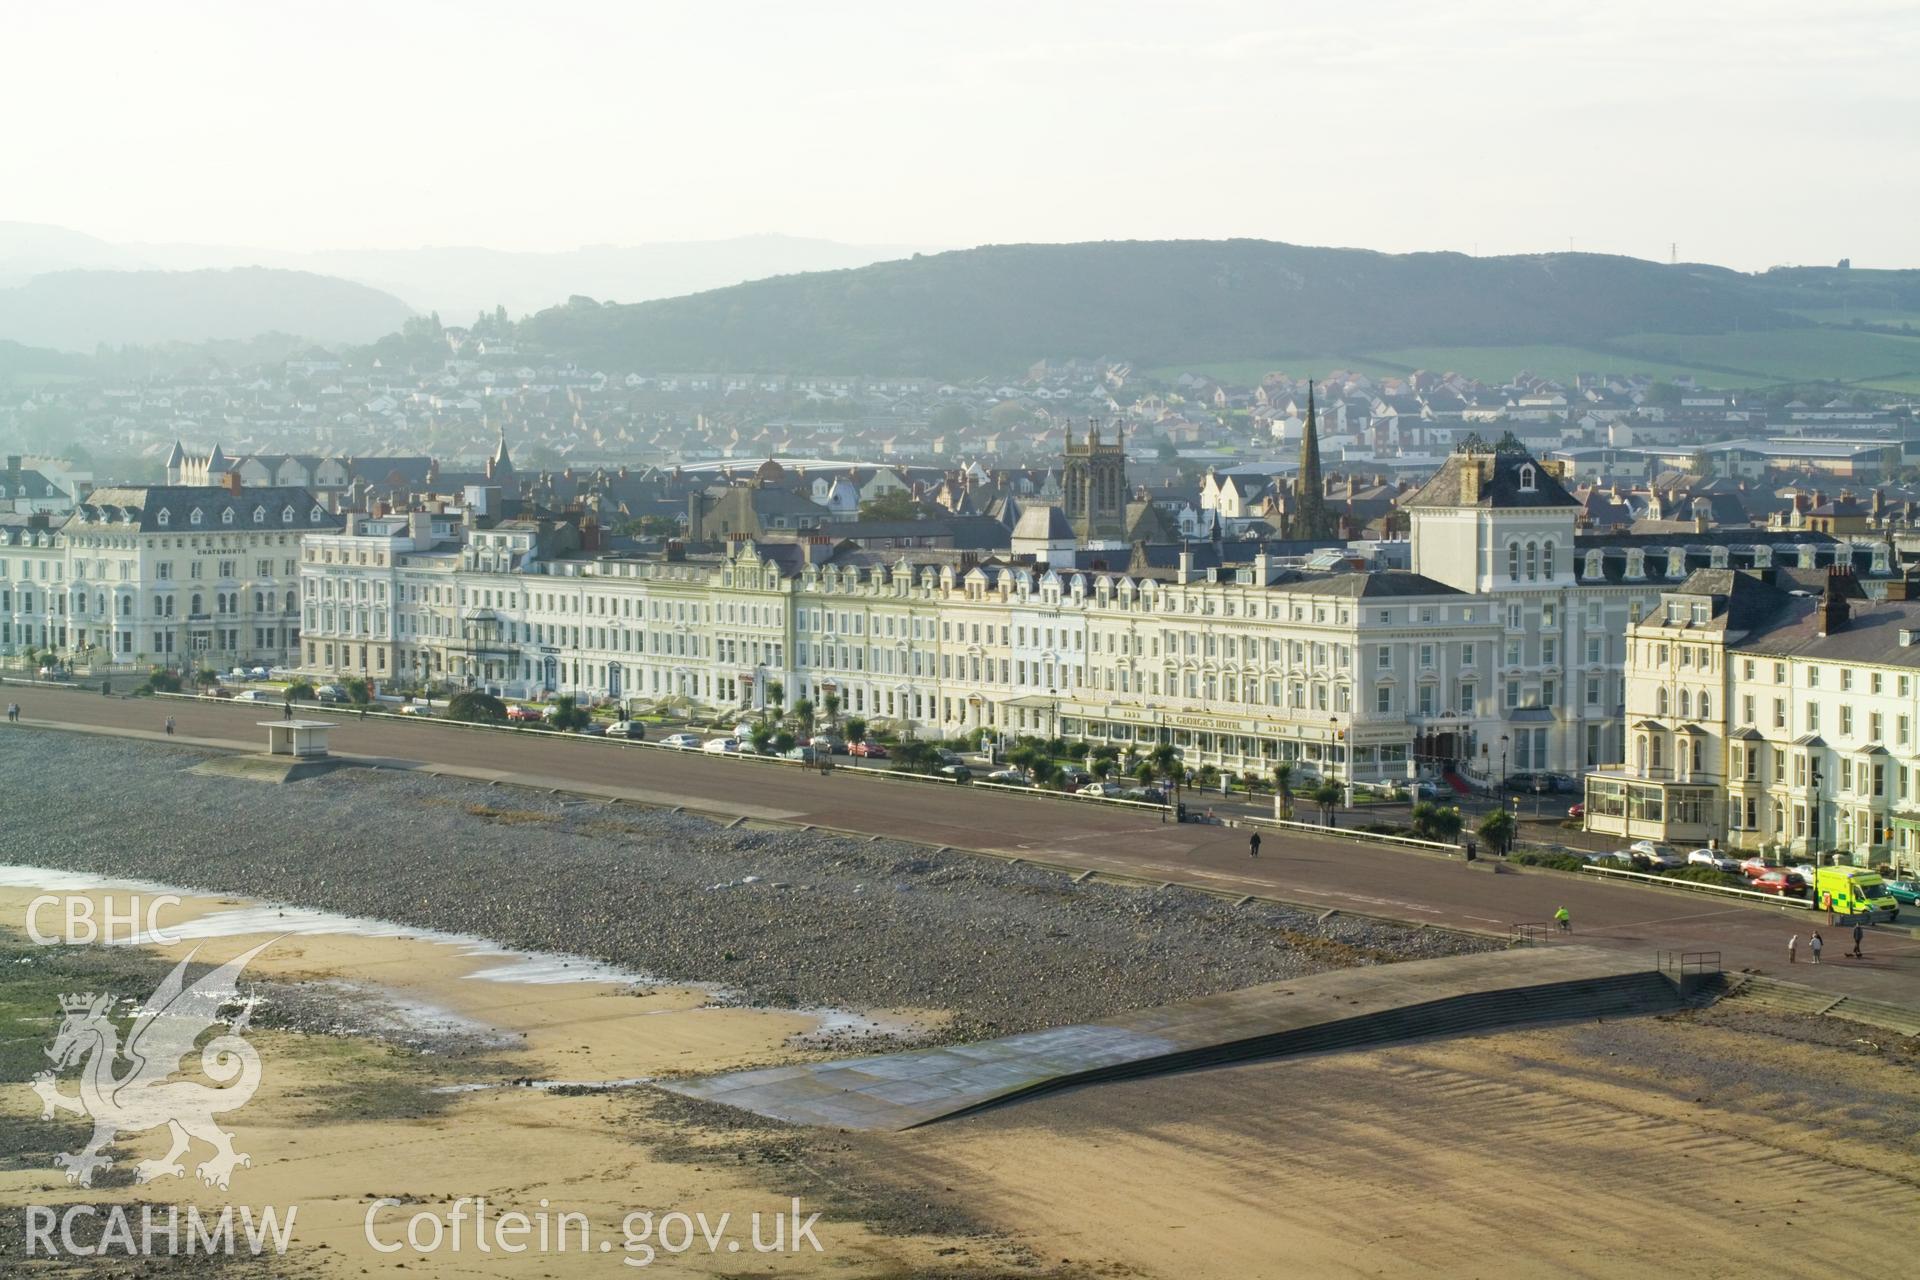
(258, 673)
(254, 695)
(827, 742)
(54, 673)
(1804, 870)
(1619, 860)
(721, 746)
(1148, 795)
(868, 750)
(1905, 891)
(594, 728)
(1755, 864)
(958, 772)
(1786, 884)
(1660, 855)
(1712, 858)
(329, 693)
(1008, 777)
(945, 756)
(1578, 812)
(523, 715)
(807, 753)
(1072, 775)
(415, 709)
(683, 741)
(1107, 790)
(631, 729)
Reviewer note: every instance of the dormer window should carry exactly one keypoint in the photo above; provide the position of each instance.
(194, 519)
(226, 517)
(163, 517)
(315, 517)
(259, 515)
(286, 515)
(1527, 479)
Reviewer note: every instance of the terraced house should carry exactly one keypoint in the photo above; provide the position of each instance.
(160, 575)
(1771, 718)
(1501, 651)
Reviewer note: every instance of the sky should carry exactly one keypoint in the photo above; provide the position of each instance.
(1750, 133)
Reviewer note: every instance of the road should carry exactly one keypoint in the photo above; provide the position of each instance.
(1306, 869)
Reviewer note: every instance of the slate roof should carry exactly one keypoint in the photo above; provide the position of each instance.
(1499, 484)
(170, 508)
(1871, 634)
(1387, 584)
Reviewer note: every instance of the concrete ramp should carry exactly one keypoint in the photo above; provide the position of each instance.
(1344, 1009)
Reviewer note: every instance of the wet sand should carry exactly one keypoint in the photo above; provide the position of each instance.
(585, 1152)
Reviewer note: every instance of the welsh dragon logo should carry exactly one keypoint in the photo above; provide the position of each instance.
(143, 1096)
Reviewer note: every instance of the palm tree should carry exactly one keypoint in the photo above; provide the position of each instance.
(1497, 829)
(1327, 795)
(832, 705)
(1283, 788)
(1166, 763)
(1435, 822)
(803, 716)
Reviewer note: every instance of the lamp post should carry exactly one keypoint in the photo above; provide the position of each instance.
(1504, 741)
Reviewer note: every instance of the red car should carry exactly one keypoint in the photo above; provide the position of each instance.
(1577, 811)
(523, 715)
(871, 750)
(1786, 884)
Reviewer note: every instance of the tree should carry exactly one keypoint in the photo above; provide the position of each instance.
(475, 707)
(1497, 829)
(803, 715)
(897, 504)
(1328, 796)
(1436, 822)
(776, 693)
(915, 757)
(761, 737)
(1103, 767)
(782, 743)
(856, 729)
(568, 714)
(1143, 773)
(300, 690)
(359, 692)
(1283, 786)
(831, 703)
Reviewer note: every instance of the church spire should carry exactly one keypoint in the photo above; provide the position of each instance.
(1311, 518)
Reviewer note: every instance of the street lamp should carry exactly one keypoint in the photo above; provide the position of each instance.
(1503, 763)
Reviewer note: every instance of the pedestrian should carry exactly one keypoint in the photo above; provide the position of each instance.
(286, 709)
(169, 726)
(1859, 936)
(13, 713)
(1564, 919)
(1253, 845)
(1793, 949)
(1814, 944)
(363, 711)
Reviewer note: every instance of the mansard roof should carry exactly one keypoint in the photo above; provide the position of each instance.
(1491, 479)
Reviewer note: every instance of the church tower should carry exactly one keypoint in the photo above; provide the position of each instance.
(1094, 480)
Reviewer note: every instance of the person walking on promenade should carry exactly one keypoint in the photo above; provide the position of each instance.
(13, 713)
(1253, 845)
(1564, 919)
(1793, 949)
(169, 726)
(1859, 936)
(1814, 944)
(286, 709)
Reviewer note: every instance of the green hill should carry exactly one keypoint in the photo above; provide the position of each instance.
(1156, 303)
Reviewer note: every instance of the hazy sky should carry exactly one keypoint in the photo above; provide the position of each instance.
(1752, 132)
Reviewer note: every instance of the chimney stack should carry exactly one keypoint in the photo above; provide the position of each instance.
(1833, 610)
(233, 480)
